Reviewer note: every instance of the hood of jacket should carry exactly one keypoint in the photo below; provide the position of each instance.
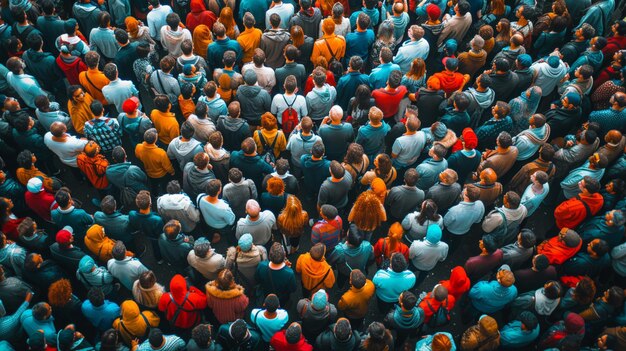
(231, 124)
(183, 148)
(173, 36)
(276, 35)
(174, 202)
(198, 178)
(95, 235)
(249, 91)
(66, 63)
(485, 98)
(253, 256)
(552, 72)
(309, 162)
(488, 326)
(314, 269)
(213, 290)
(80, 10)
(86, 264)
(178, 288)
(37, 57)
(323, 93)
(477, 57)
(436, 29)
(130, 311)
(197, 6)
(407, 319)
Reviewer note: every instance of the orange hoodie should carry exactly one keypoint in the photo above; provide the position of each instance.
(80, 113)
(166, 125)
(355, 302)
(249, 40)
(313, 272)
(337, 44)
(99, 244)
(154, 159)
(571, 213)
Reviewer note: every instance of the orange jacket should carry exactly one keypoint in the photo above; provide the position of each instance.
(313, 272)
(355, 302)
(337, 44)
(23, 175)
(80, 113)
(154, 159)
(187, 106)
(93, 80)
(94, 168)
(98, 243)
(571, 213)
(166, 124)
(249, 40)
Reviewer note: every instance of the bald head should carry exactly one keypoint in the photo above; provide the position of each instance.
(252, 208)
(58, 129)
(336, 113)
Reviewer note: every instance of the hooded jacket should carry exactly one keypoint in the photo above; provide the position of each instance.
(483, 336)
(42, 65)
(71, 66)
(548, 77)
(571, 213)
(254, 101)
(171, 39)
(320, 100)
(316, 171)
(279, 343)
(471, 62)
(234, 130)
(175, 250)
(186, 304)
(450, 81)
(404, 320)
(199, 15)
(183, 151)
(227, 305)
(133, 323)
(491, 296)
(98, 243)
(90, 275)
(556, 251)
(328, 341)
(314, 321)
(87, 16)
(196, 180)
(148, 297)
(127, 175)
(179, 207)
(208, 266)
(246, 263)
(310, 22)
(273, 43)
(315, 275)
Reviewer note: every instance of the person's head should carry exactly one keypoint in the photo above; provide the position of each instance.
(277, 253)
(589, 185)
(290, 84)
(569, 238)
(275, 20)
(614, 218)
(35, 42)
(253, 209)
(398, 262)
(500, 110)
(319, 77)
(526, 238)
(529, 320)
(96, 296)
(225, 280)
(104, 19)
(41, 311)
(201, 334)
(440, 292)
(143, 200)
(461, 102)
(336, 170)
(235, 175)
(293, 334)
(119, 251)
(357, 279)
(110, 71)
(452, 64)
(147, 279)
(201, 248)
(213, 187)
(363, 21)
(248, 146)
(108, 205)
(28, 227)
(598, 248)
(258, 58)
(271, 303)
(155, 338)
(395, 77)
(60, 293)
(317, 251)
(407, 300)
(216, 140)
(248, 20)
(488, 244)
(150, 136)
(416, 32)
(614, 296)
(162, 102)
(269, 122)
(462, 8)
(598, 43)
(511, 200)
(275, 186)
(219, 30)
(63, 198)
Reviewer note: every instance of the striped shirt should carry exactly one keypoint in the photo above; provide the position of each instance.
(171, 343)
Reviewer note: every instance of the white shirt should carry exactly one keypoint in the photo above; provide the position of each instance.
(68, 150)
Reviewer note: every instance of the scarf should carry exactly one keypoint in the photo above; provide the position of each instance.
(538, 136)
(543, 305)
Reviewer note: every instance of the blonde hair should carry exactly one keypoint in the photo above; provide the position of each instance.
(292, 219)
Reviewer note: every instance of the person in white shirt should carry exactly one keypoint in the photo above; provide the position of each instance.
(285, 11)
(425, 254)
(258, 223)
(65, 146)
(266, 78)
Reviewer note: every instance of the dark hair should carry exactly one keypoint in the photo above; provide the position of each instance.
(411, 177)
(528, 238)
(408, 300)
(162, 102)
(357, 278)
(274, 20)
(528, 319)
(343, 329)
(428, 211)
(277, 253)
(34, 41)
(201, 334)
(505, 140)
(155, 337)
(318, 149)
(187, 130)
(96, 108)
(293, 333)
(173, 187)
(395, 77)
(291, 52)
(121, 36)
(398, 262)
(40, 311)
(172, 20)
(363, 20)
(119, 251)
(464, 7)
(591, 184)
(600, 248)
(461, 101)
(96, 296)
(186, 46)
(502, 64)
(62, 197)
(490, 244)
(108, 204)
(541, 262)
(513, 199)
(213, 187)
(271, 303)
(547, 152)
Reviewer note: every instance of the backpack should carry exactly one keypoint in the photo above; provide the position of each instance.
(127, 196)
(23, 35)
(441, 316)
(268, 150)
(290, 117)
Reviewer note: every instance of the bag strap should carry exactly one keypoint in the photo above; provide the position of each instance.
(90, 82)
(290, 105)
(269, 274)
(256, 316)
(148, 326)
(504, 221)
(332, 54)
(160, 82)
(321, 281)
(179, 308)
(587, 208)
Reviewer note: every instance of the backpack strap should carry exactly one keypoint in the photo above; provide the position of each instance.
(289, 105)
(179, 308)
(587, 208)
(91, 83)
(321, 281)
(332, 54)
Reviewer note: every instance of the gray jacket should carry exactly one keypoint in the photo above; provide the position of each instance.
(238, 194)
(183, 151)
(402, 200)
(254, 101)
(167, 85)
(273, 43)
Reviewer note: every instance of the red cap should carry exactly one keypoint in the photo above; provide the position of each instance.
(433, 11)
(130, 105)
(64, 237)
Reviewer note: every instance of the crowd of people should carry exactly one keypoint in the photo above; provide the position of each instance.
(291, 176)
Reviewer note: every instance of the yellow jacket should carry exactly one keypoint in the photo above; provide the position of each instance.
(166, 125)
(98, 243)
(249, 40)
(269, 136)
(354, 302)
(93, 80)
(337, 44)
(154, 159)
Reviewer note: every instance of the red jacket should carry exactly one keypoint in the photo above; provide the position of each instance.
(42, 203)
(279, 343)
(613, 45)
(9, 228)
(450, 81)
(430, 305)
(71, 69)
(556, 251)
(378, 250)
(389, 101)
(458, 284)
(199, 15)
(190, 311)
(571, 213)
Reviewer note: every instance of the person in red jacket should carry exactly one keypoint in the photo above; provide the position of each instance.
(561, 247)
(182, 306)
(436, 299)
(458, 284)
(450, 79)
(386, 247)
(572, 212)
(199, 15)
(615, 42)
(38, 200)
(388, 98)
(71, 65)
(290, 339)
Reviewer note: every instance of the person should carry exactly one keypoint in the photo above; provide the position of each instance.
(339, 336)
(260, 224)
(407, 148)
(488, 260)
(93, 276)
(290, 339)
(183, 304)
(330, 45)
(571, 327)
(100, 312)
(316, 313)
(68, 215)
(569, 214)
(591, 262)
(503, 223)
(429, 170)
(392, 281)
(460, 218)
(177, 205)
(184, 148)
(39, 317)
(415, 48)
(157, 164)
(175, 246)
(315, 272)
(533, 278)
(133, 323)
(217, 48)
(484, 335)
(276, 276)
(197, 174)
(126, 269)
(518, 253)
(98, 244)
(215, 212)
(492, 296)
(561, 247)
(204, 261)
(146, 291)
(156, 339)
(402, 198)
(425, 254)
(416, 223)
(270, 319)
(359, 42)
(354, 302)
(328, 229)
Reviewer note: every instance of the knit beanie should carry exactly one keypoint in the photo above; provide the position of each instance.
(553, 61)
(525, 60)
(433, 233)
(440, 131)
(571, 238)
(573, 98)
(320, 300)
(451, 46)
(433, 11)
(249, 77)
(574, 323)
(245, 242)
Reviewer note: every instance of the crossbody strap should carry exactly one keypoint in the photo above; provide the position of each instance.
(321, 281)
(90, 82)
(587, 208)
(329, 49)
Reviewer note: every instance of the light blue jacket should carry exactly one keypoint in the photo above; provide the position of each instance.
(102, 40)
(570, 183)
(490, 297)
(389, 284)
(26, 87)
(378, 77)
(31, 325)
(526, 148)
(409, 51)
(512, 336)
(429, 172)
(459, 218)
(101, 317)
(531, 200)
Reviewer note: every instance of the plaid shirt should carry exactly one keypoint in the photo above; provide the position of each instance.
(327, 232)
(104, 131)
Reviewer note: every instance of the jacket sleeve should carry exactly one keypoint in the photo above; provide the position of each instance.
(167, 165)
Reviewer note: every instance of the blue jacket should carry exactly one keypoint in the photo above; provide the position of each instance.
(101, 317)
(76, 218)
(512, 336)
(346, 87)
(378, 77)
(31, 325)
(252, 167)
(127, 174)
(116, 225)
(216, 50)
(408, 319)
(489, 297)
(596, 228)
(358, 44)
(429, 172)
(372, 138)
(389, 284)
